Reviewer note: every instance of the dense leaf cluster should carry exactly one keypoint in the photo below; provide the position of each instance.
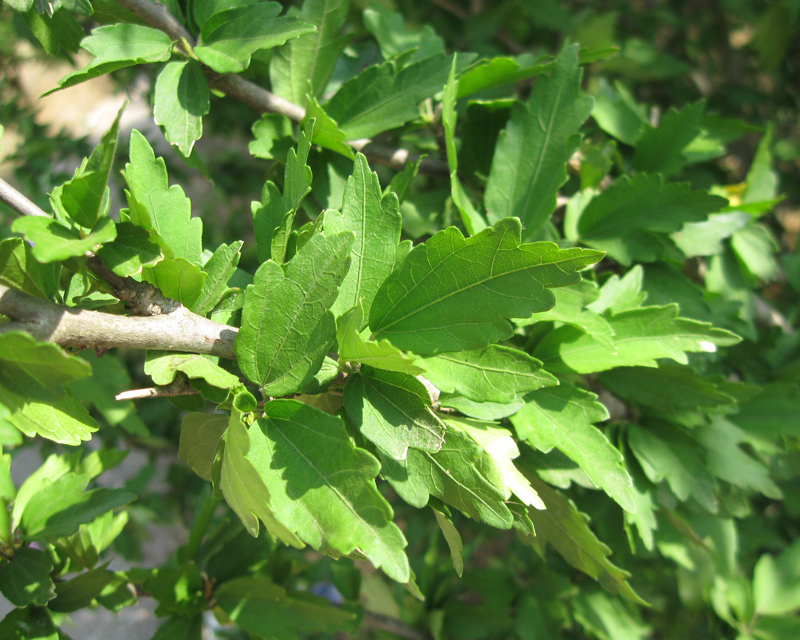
(482, 373)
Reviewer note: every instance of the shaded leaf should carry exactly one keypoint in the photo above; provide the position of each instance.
(322, 486)
(219, 270)
(180, 101)
(130, 251)
(563, 417)
(287, 326)
(53, 242)
(26, 580)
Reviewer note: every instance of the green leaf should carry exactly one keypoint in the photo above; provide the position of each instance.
(60, 507)
(327, 132)
(776, 582)
(118, 46)
(380, 354)
(660, 149)
(670, 387)
(375, 221)
(204, 9)
(563, 417)
(393, 410)
(322, 486)
(37, 370)
(265, 609)
(621, 294)
(163, 210)
(81, 591)
(53, 242)
(567, 530)
(495, 72)
(616, 219)
(473, 221)
(529, 164)
(26, 580)
(130, 251)
(705, 238)
(501, 450)
(666, 453)
(726, 460)
(455, 294)
(303, 66)
(608, 618)
(756, 249)
(244, 488)
(287, 326)
(395, 38)
(452, 537)
(65, 420)
(618, 114)
(200, 435)
(180, 101)
(181, 628)
(572, 307)
(177, 278)
(219, 270)
(232, 36)
(383, 97)
(85, 198)
(493, 374)
(761, 180)
(456, 475)
(273, 135)
(641, 336)
(19, 270)
(163, 366)
(30, 623)
(56, 33)
(772, 413)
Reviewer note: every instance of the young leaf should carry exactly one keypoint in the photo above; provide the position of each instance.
(231, 37)
(244, 488)
(660, 149)
(85, 198)
(163, 210)
(180, 101)
(375, 221)
(130, 251)
(177, 278)
(452, 476)
(162, 367)
(380, 354)
(493, 374)
(200, 435)
(327, 132)
(382, 97)
(393, 410)
(287, 326)
(567, 530)
(501, 448)
(118, 46)
(641, 336)
(455, 294)
(666, 453)
(53, 242)
(563, 417)
(322, 486)
(266, 610)
(495, 72)
(529, 164)
(304, 66)
(219, 269)
(451, 536)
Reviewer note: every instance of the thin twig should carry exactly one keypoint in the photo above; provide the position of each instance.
(177, 388)
(264, 101)
(19, 202)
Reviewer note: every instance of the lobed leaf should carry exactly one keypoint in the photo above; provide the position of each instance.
(180, 101)
(456, 294)
(563, 417)
(287, 325)
(322, 486)
(54, 242)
